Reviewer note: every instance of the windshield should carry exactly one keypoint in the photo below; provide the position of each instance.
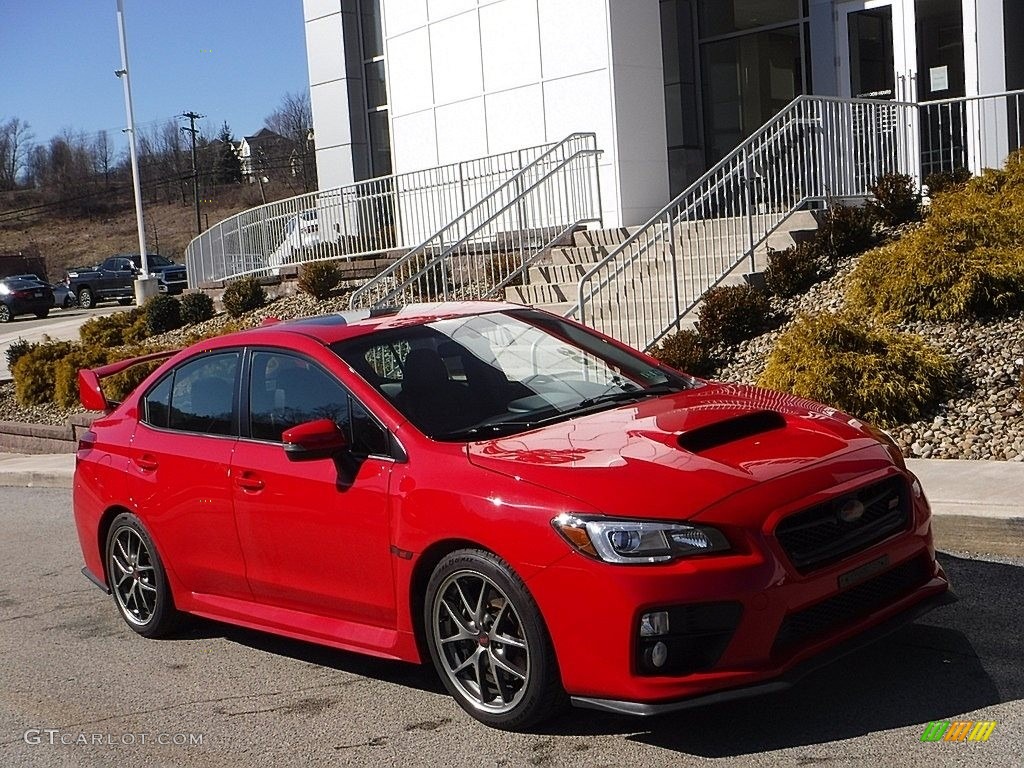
(154, 260)
(470, 378)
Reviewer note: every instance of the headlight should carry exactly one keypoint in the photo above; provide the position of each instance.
(895, 452)
(4, 289)
(637, 541)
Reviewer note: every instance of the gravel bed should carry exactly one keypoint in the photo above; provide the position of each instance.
(984, 419)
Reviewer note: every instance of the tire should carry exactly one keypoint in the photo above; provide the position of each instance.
(488, 642)
(42, 313)
(138, 580)
(85, 298)
(5, 313)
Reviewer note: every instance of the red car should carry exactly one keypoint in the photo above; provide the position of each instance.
(547, 514)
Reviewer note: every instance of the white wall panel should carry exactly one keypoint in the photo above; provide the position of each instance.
(334, 167)
(400, 16)
(326, 49)
(455, 54)
(461, 131)
(314, 9)
(510, 44)
(579, 103)
(408, 65)
(573, 36)
(440, 9)
(330, 111)
(515, 119)
(415, 141)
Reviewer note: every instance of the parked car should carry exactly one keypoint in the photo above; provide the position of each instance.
(300, 231)
(115, 278)
(21, 296)
(62, 295)
(542, 512)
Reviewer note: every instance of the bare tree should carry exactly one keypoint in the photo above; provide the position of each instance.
(293, 120)
(15, 143)
(103, 156)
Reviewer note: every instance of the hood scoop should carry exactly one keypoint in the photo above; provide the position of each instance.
(730, 430)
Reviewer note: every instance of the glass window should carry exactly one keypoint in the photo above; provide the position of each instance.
(369, 24)
(380, 143)
(157, 404)
(376, 87)
(202, 396)
(286, 390)
(470, 377)
(722, 17)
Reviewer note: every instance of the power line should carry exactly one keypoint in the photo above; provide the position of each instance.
(192, 117)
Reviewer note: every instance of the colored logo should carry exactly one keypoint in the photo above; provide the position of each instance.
(959, 730)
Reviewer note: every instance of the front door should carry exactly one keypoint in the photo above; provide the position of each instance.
(877, 49)
(315, 532)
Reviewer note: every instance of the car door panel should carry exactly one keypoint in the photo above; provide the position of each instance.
(315, 533)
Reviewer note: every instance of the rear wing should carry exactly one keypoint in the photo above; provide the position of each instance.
(89, 391)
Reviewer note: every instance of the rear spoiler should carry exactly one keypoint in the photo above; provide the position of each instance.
(89, 391)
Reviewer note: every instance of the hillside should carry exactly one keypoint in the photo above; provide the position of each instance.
(66, 240)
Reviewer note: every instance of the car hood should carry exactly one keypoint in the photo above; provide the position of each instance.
(675, 455)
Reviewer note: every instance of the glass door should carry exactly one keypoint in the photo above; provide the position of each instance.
(877, 49)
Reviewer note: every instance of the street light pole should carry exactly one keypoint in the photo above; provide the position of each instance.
(145, 286)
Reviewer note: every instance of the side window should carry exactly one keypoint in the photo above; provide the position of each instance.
(202, 396)
(157, 404)
(285, 390)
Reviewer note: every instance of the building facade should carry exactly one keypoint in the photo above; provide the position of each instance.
(669, 87)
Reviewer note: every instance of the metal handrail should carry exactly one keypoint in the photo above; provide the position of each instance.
(641, 290)
(510, 228)
(362, 219)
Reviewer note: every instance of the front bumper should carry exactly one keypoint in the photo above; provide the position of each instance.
(783, 681)
(788, 623)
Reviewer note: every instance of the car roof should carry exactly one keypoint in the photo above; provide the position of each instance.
(345, 325)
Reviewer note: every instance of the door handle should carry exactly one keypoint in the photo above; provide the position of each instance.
(146, 463)
(249, 481)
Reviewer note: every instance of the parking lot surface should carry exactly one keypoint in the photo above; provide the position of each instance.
(78, 688)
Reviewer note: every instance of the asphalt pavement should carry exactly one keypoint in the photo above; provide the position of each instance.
(79, 688)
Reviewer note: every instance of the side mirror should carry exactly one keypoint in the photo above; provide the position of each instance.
(320, 439)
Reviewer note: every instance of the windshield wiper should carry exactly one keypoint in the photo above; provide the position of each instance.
(484, 431)
(626, 396)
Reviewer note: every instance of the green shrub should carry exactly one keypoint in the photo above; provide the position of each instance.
(943, 181)
(894, 199)
(65, 378)
(196, 308)
(244, 295)
(109, 330)
(843, 231)
(163, 314)
(319, 278)
(35, 372)
(964, 262)
(685, 351)
(869, 371)
(792, 271)
(729, 314)
(16, 349)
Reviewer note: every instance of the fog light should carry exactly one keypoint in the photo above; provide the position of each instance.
(654, 624)
(659, 654)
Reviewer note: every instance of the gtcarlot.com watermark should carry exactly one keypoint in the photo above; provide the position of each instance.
(55, 736)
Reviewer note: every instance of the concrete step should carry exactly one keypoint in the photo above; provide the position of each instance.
(587, 254)
(603, 237)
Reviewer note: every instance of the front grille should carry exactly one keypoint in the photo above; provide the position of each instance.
(820, 535)
(856, 603)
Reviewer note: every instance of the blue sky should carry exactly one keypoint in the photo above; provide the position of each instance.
(226, 59)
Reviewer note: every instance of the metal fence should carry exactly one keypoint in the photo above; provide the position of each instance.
(493, 242)
(816, 149)
(361, 219)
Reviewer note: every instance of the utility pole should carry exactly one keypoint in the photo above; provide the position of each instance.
(192, 117)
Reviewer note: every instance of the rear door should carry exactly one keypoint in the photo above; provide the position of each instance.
(315, 533)
(179, 459)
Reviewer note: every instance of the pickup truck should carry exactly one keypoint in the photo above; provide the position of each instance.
(115, 279)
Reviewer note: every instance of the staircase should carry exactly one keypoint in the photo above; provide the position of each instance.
(553, 282)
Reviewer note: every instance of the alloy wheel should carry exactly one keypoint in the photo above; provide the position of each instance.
(133, 577)
(481, 641)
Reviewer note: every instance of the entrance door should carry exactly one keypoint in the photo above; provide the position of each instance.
(877, 50)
